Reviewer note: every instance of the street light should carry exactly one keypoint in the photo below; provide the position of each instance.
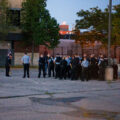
(109, 31)
(109, 69)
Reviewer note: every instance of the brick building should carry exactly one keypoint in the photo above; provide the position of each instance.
(66, 46)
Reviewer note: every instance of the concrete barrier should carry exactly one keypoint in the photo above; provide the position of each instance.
(109, 74)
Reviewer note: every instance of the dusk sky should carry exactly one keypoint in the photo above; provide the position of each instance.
(65, 10)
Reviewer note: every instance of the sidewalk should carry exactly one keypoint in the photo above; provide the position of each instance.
(53, 99)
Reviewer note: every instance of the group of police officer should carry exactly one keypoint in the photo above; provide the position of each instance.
(74, 68)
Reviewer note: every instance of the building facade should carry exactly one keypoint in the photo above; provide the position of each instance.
(67, 45)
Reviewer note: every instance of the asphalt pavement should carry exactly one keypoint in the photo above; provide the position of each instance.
(53, 99)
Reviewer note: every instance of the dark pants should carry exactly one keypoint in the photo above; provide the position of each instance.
(74, 73)
(101, 73)
(41, 68)
(7, 67)
(50, 69)
(63, 72)
(57, 70)
(26, 70)
(93, 71)
(85, 74)
(68, 71)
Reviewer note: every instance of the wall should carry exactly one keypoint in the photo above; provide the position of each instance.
(5, 45)
(15, 3)
(18, 57)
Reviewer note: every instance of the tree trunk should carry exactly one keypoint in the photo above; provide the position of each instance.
(32, 57)
(115, 47)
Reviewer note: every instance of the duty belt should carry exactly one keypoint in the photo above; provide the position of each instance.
(57, 63)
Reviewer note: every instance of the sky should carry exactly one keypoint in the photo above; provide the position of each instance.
(65, 10)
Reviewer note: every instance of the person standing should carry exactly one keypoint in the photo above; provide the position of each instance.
(26, 63)
(101, 65)
(8, 64)
(92, 67)
(85, 72)
(75, 68)
(46, 63)
(63, 68)
(57, 66)
(41, 66)
(68, 59)
(50, 66)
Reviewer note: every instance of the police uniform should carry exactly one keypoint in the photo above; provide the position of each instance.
(50, 66)
(41, 66)
(63, 69)
(75, 68)
(85, 73)
(7, 65)
(26, 64)
(92, 68)
(68, 67)
(57, 66)
(46, 63)
(101, 73)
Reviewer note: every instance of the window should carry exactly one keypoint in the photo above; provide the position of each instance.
(14, 17)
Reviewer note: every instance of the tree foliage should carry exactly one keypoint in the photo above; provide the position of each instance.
(4, 22)
(116, 25)
(38, 25)
(97, 20)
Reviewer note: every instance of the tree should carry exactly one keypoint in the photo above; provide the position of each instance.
(116, 28)
(38, 26)
(4, 22)
(93, 19)
(97, 20)
(87, 38)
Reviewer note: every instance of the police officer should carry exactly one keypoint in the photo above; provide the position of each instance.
(63, 68)
(46, 63)
(50, 66)
(26, 63)
(7, 64)
(85, 65)
(115, 69)
(92, 67)
(101, 65)
(68, 59)
(75, 68)
(41, 63)
(57, 66)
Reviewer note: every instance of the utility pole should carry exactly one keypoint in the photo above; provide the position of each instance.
(109, 69)
(109, 31)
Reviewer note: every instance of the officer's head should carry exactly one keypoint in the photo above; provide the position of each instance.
(101, 56)
(85, 58)
(48, 55)
(92, 55)
(85, 55)
(25, 53)
(41, 55)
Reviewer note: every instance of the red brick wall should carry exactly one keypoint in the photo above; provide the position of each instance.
(20, 47)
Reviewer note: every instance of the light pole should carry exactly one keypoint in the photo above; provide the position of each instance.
(109, 31)
(109, 69)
